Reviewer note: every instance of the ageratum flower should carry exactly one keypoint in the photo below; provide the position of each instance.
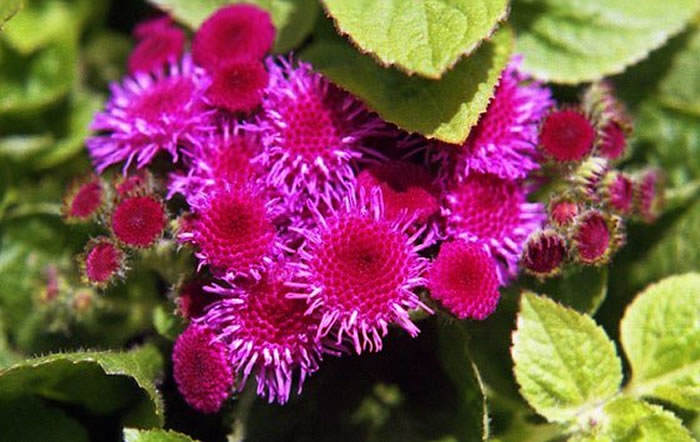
(269, 335)
(312, 132)
(83, 200)
(544, 253)
(504, 142)
(138, 220)
(464, 279)
(150, 113)
(224, 157)
(596, 236)
(492, 211)
(160, 44)
(233, 230)
(201, 369)
(236, 32)
(359, 271)
(237, 85)
(102, 262)
(567, 135)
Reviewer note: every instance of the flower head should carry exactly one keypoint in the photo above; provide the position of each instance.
(588, 177)
(138, 220)
(102, 262)
(151, 26)
(504, 142)
(83, 200)
(313, 131)
(544, 253)
(618, 192)
(612, 141)
(233, 230)
(224, 158)
(464, 279)
(492, 211)
(150, 113)
(562, 210)
(237, 85)
(161, 47)
(201, 369)
(649, 194)
(406, 188)
(567, 135)
(596, 237)
(233, 32)
(359, 271)
(268, 334)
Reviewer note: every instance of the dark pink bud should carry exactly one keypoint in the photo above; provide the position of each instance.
(102, 262)
(613, 141)
(83, 200)
(562, 211)
(596, 236)
(618, 192)
(544, 253)
(237, 85)
(649, 194)
(155, 51)
(567, 135)
(137, 221)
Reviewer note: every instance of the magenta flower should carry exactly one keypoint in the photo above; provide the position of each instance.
(223, 157)
(268, 334)
(83, 200)
(618, 192)
(201, 369)
(233, 230)
(567, 135)
(359, 271)
(237, 85)
(494, 212)
(504, 142)
(595, 237)
(160, 44)
(464, 278)
(312, 132)
(233, 32)
(138, 220)
(544, 253)
(150, 113)
(102, 262)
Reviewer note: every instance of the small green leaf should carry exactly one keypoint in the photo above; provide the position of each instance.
(102, 382)
(660, 333)
(575, 41)
(134, 435)
(445, 109)
(426, 37)
(564, 362)
(294, 19)
(473, 411)
(625, 419)
(8, 8)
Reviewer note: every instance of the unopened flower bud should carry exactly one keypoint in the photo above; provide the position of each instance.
(544, 253)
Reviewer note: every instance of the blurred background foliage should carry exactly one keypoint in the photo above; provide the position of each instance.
(57, 58)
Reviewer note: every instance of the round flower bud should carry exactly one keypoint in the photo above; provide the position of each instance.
(567, 135)
(596, 237)
(102, 262)
(649, 194)
(562, 211)
(617, 192)
(138, 220)
(83, 200)
(588, 176)
(544, 253)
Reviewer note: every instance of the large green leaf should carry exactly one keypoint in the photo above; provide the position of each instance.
(565, 363)
(625, 419)
(660, 333)
(445, 109)
(426, 37)
(294, 19)
(101, 382)
(135, 435)
(572, 41)
(8, 8)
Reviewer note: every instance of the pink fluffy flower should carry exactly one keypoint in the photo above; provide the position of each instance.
(359, 270)
(504, 142)
(268, 334)
(233, 230)
(237, 85)
(494, 212)
(224, 157)
(464, 279)
(201, 369)
(233, 32)
(161, 46)
(150, 113)
(312, 132)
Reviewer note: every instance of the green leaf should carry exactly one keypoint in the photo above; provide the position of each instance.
(102, 382)
(294, 19)
(167, 323)
(674, 251)
(680, 88)
(30, 419)
(29, 83)
(584, 289)
(8, 8)
(445, 109)
(564, 362)
(569, 41)
(625, 419)
(660, 333)
(134, 435)
(472, 412)
(426, 37)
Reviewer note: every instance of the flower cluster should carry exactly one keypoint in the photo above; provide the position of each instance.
(317, 226)
(586, 211)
